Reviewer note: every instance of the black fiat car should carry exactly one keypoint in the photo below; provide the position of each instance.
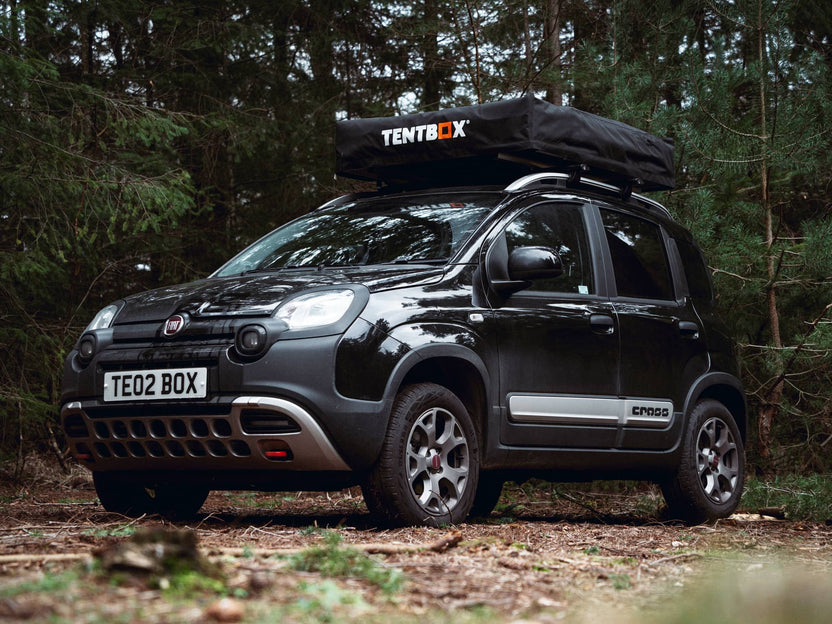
(503, 307)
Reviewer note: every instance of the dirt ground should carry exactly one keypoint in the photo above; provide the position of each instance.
(548, 553)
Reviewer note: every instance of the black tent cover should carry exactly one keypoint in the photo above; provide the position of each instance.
(496, 142)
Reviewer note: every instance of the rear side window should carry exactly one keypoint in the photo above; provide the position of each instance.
(696, 271)
(638, 257)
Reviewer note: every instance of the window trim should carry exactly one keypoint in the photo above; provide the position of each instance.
(587, 214)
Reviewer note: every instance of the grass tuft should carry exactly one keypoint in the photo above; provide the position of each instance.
(336, 560)
(49, 583)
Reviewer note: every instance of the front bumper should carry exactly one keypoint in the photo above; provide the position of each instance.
(243, 433)
(294, 378)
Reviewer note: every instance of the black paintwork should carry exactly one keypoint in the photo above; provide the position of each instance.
(465, 324)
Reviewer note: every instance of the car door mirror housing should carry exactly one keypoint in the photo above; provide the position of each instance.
(533, 263)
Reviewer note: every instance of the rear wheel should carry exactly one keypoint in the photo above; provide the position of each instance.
(709, 482)
(428, 468)
(489, 490)
(134, 500)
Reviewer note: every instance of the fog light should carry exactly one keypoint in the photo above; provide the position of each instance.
(251, 340)
(86, 347)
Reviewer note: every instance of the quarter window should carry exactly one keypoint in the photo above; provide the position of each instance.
(638, 257)
(696, 271)
(561, 227)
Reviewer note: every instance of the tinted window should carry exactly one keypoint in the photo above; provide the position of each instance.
(424, 228)
(638, 257)
(696, 271)
(561, 227)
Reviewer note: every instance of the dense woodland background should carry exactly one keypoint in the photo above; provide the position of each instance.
(143, 142)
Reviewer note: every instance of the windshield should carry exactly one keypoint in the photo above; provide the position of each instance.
(424, 228)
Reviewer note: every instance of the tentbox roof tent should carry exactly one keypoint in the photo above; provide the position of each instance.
(496, 142)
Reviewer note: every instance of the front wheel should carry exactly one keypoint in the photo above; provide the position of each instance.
(709, 482)
(134, 500)
(429, 464)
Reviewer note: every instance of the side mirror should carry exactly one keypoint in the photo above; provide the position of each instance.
(532, 263)
(526, 264)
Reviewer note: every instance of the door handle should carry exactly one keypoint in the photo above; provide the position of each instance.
(602, 324)
(689, 330)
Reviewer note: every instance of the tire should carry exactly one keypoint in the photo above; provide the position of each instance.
(429, 463)
(134, 500)
(489, 490)
(178, 502)
(711, 474)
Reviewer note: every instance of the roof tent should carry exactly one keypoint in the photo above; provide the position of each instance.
(497, 142)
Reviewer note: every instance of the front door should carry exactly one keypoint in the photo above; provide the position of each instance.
(558, 338)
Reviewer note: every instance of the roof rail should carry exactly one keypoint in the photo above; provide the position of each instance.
(566, 179)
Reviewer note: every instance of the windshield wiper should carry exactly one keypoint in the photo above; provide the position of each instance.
(420, 261)
(273, 269)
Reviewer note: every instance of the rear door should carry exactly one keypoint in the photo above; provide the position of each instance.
(661, 338)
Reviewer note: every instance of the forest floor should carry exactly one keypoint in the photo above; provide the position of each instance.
(549, 553)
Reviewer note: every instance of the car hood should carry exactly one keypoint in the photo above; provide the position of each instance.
(259, 294)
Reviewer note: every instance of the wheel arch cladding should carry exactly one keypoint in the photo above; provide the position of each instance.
(731, 397)
(458, 375)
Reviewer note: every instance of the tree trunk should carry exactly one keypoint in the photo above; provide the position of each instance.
(430, 54)
(554, 89)
(771, 405)
(35, 24)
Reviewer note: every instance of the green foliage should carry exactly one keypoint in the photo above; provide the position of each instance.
(327, 602)
(124, 530)
(621, 581)
(185, 584)
(147, 156)
(49, 583)
(801, 497)
(335, 560)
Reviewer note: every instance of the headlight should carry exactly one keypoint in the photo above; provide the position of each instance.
(316, 309)
(103, 319)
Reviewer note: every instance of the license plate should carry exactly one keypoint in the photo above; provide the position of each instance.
(150, 385)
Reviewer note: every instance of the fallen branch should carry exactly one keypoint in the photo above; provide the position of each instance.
(691, 555)
(441, 545)
(44, 557)
(773, 512)
(84, 504)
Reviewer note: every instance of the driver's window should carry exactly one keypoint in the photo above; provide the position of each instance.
(561, 227)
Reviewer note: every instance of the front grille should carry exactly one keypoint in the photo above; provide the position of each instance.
(123, 438)
(111, 365)
(197, 333)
